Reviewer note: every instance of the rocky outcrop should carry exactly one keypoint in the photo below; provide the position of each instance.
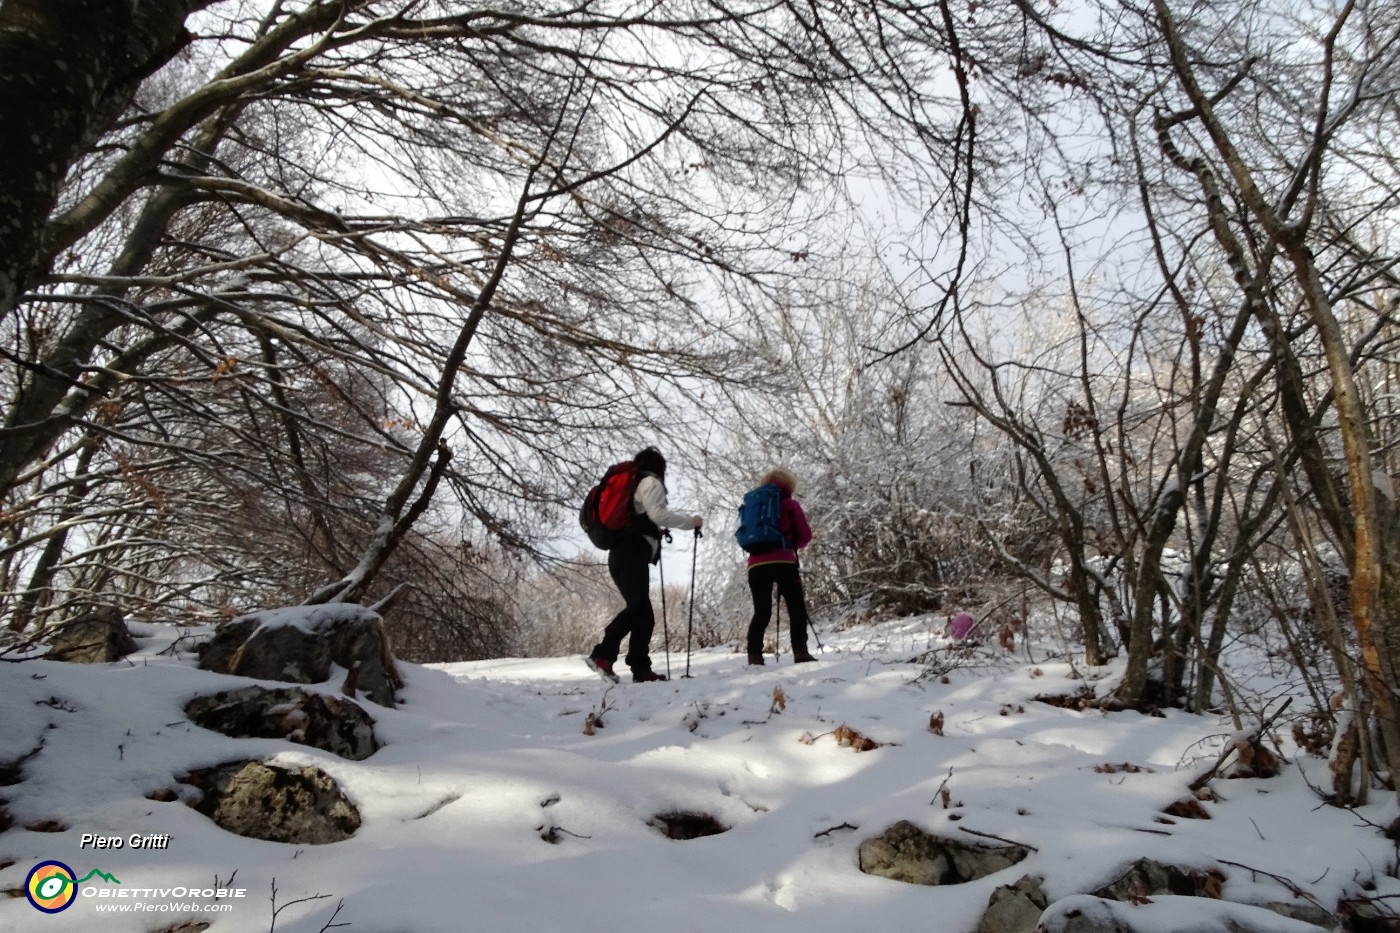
(329, 723)
(1149, 878)
(904, 852)
(1014, 908)
(300, 645)
(1311, 913)
(267, 801)
(1085, 913)
(99, 637)
(1146, 877)
(1150, 895)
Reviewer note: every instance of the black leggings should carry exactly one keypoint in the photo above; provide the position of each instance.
(762, 579)
(629, 564)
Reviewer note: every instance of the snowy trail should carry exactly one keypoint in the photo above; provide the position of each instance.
(484, 760)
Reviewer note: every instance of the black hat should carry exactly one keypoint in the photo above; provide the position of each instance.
(650, 460)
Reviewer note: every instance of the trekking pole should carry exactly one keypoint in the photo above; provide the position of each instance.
(811, 626)
(665, 630)
(778, 627)
(690, 626)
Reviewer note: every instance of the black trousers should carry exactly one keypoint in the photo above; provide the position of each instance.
(629, 564)
(762, 579)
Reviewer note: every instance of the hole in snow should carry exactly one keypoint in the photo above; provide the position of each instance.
(687, 825)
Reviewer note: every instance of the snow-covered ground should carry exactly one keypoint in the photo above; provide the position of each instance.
(484, 760)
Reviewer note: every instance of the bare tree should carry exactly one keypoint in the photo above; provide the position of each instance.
(357, 265)
(1291, 209)
(1245, 189)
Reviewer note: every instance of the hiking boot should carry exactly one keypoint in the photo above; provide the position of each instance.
(602, 668)
(756, 658)
(801, 656)
(646, 677)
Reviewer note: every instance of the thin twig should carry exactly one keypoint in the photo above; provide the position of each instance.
(1010, 842)
(1205, 779)
(1293, 888)
(939, 793)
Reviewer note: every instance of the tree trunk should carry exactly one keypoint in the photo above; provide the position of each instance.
(70, 67)
(54, 394)
(1366, 518)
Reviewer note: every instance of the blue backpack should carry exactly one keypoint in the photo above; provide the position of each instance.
(758, 520)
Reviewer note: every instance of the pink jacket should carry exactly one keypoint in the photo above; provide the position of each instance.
(793, 523)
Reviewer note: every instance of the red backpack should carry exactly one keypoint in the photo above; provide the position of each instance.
(607, 513)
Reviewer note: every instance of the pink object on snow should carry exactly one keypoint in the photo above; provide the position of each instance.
(960, 626)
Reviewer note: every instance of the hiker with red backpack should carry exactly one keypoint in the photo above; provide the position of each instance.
(773, 528)
(625, 513)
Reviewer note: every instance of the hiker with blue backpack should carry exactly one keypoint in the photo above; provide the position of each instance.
(625, 514)
(772, 529)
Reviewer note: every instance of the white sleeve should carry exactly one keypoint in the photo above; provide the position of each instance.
(651, 499)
